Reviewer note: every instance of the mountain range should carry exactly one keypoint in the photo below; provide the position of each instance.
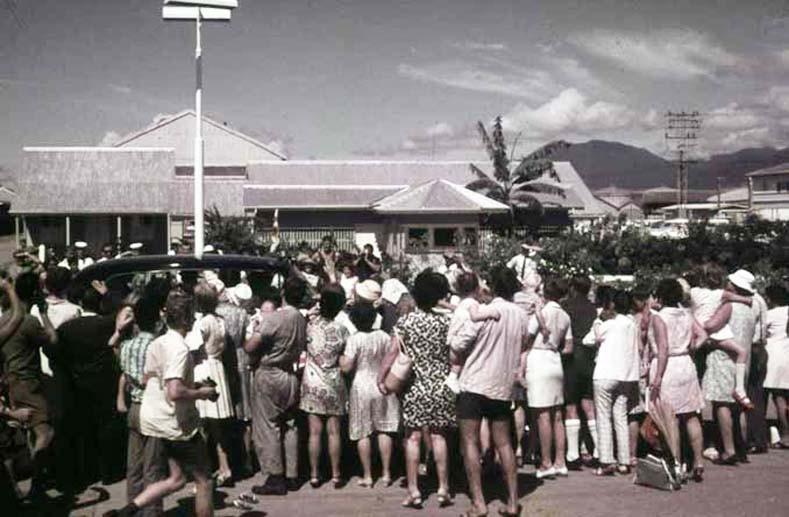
(602, 164)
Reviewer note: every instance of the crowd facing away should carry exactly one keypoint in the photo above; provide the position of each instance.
(215, 376)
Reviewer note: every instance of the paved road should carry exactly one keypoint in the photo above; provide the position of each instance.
(760, 488)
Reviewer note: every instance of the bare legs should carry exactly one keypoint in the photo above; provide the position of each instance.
(413, 438)
(500, 431)
(174, 482)
(726, 427)
(782, 410)
(365, 456)
(519, 416)
(469, 443)
(333, 432)
(500, 435)
(412, 453)
(551, 429)
(696, 437)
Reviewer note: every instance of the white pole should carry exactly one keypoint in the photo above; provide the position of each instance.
(198, 148)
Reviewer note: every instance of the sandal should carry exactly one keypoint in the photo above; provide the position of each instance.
(365, 483)
(413, 501)
(727, 461)
(506, 513)
(387, 482)
(315, 482)
(443, 500)
(743, 400)
(623, 469)
(608, 470)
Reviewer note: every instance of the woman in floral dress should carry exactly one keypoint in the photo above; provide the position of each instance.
(426, 401)
(371, 412)
(324, 396)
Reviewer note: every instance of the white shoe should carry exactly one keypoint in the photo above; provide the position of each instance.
(711, 453)
(547, 473)
(562, 471)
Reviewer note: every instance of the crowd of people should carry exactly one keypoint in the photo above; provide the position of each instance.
(211, 377)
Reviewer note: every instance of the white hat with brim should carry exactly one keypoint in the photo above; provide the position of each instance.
(743, 279)
(369, 290)
(530, 247)
(208, 248)
(135, 246)
(80, 245)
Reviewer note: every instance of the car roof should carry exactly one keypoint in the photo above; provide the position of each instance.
(174, 263)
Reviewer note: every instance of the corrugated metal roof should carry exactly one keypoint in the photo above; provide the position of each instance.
(731, 196)
(438, 196)
(311, 197)
(771, 171)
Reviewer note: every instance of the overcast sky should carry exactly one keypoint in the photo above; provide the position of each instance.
(397, 78)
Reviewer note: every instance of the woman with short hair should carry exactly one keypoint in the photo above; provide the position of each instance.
(673, 377)
(324, 396)
(371, 412)
(426, 401)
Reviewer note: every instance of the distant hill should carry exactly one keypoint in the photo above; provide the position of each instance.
(603, 164)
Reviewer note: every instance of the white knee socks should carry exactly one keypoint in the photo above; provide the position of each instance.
(592, 424)
(739, 379)
(573, 429)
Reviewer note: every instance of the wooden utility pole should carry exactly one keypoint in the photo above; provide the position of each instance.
(681, 135)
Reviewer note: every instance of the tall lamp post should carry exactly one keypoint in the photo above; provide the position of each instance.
(198, 11)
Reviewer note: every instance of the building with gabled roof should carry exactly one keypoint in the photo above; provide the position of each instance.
(140, 190)
(768, 192)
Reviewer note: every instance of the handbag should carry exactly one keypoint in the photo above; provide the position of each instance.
(654, 472)
(399, 373)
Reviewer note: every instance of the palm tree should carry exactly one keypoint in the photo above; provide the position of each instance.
(515, 187)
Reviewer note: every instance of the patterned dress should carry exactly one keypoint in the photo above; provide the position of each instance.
(323, 390)
(680, 385)
(370, 410)
(718, 381)
(426, 400)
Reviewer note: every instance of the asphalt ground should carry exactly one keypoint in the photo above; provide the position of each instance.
(755, 489)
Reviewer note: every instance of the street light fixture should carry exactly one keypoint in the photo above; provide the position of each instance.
(198, 11)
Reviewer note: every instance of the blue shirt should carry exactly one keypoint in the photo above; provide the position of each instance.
(132, 360)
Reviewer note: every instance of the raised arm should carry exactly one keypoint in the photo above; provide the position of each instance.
(17, 315)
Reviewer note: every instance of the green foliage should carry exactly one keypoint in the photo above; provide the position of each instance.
(233, 235)
(509, 185)
(762, 247)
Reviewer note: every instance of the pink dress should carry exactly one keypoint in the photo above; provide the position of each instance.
(680, 386)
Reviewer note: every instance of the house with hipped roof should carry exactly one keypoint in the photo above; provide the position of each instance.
(141, 190)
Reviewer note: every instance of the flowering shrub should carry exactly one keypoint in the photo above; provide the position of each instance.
(760, 246)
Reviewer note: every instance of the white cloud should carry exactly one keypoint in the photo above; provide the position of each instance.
(671, 54)
(478, 77)
(476, 45)
(570, 112)
(109, 139)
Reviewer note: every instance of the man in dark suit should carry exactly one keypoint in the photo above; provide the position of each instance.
(92, 372)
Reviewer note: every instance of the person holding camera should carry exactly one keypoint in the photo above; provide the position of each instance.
(168, 412)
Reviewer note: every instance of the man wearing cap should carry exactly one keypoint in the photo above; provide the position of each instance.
(720, 373)
(76, 258)
(523, 263)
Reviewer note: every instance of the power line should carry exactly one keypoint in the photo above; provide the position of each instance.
(682, 132)
(12, 8)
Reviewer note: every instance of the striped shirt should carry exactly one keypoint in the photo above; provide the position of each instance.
(133, 362)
